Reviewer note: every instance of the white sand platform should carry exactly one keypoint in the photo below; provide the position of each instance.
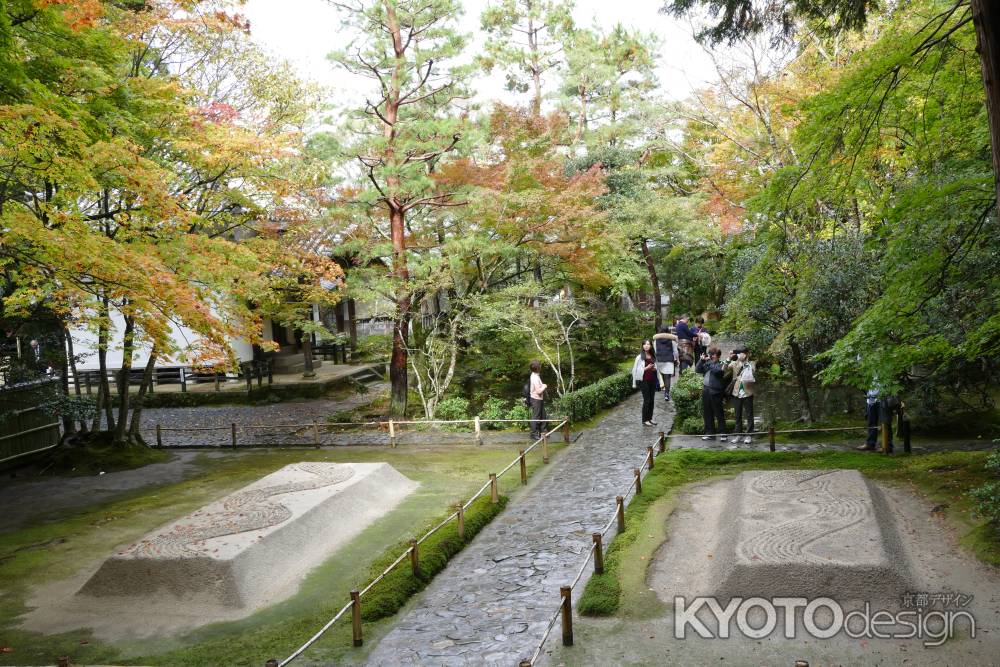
(239, 550)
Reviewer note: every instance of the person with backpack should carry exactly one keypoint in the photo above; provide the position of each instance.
(534, 394)
(645, 377)
(713, 393)
(685, 343)
(665, 346)
(742, 389)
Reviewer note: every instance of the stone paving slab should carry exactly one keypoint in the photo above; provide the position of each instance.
(492, 603)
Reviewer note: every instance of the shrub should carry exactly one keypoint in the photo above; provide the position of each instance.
(584, 403)
(987, 496)
(692, 425)
(493, 408)
(455, 407)
(686, 395)
(520, 411)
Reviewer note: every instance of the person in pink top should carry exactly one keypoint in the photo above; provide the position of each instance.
(537, 400)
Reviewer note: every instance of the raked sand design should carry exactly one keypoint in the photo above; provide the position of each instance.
(237, 549)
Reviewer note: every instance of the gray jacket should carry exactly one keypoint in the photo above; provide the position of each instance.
(714, 373)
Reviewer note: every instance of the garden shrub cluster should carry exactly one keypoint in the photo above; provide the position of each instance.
(987, 496)
(586, 402)
(457, 407)
(686, 395)
(390, 594)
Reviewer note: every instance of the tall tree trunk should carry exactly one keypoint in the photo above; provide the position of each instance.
(986, 19)
(798, 366)
(104, 391)
(69, 426)
(654, 282)
(124, 379)
(352, 324)
(398, 365)
(147, 381)
(71, 358)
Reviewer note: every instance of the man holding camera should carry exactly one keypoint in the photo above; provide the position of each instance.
(713, 393)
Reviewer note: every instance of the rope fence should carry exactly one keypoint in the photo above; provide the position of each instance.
(413, 551)
(596, 551)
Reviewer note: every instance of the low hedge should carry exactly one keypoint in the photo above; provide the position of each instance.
(586, 402)
(686, 395)
(390, 594)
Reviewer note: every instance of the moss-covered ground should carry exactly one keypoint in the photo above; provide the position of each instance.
(944, 477)
(58, 548)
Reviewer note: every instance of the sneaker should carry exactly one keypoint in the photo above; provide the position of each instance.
(723, 438)
(652, 423)
(708, 437)
(865, 448)
(746, 440)
(647, 423)
(666, 398)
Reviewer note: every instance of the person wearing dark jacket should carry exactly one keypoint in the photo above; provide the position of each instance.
(665, 345)
(685, 343)
(713, 393)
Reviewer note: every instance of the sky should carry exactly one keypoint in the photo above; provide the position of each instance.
(305, 31)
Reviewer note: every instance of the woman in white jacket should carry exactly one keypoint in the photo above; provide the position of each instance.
(645, 377)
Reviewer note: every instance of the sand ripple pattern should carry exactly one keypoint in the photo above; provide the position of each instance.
(244, 511)
(788, 542)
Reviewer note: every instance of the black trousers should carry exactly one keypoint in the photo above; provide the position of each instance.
(537, 414)
(648, 390)
(875, 414)
(743, 404)
(712, 409)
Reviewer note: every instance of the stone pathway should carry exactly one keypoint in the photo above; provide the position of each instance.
(492, 603)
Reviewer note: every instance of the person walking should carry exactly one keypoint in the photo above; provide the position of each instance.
(742, 392)
(645, 377)
(536, 397)
(713, 393)
(665, 346)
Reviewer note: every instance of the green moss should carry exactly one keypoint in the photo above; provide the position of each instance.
(946, 478)
(98, 455)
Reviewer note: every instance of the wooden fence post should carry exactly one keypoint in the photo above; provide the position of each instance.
(524, 468)
(770, 437)
(621, 514)
(649, 456)
(461, 521)
(316, 434)
(565, 430)
(415, 557)
(662, 442)
(271, 663)
(567, 615)
(216, 380)
(233, 425)
(545, 449)
(598, 554)
(479, 431)
(885, 437)
(638, 480)
(392, 433)
(159, 436)
(356, 618)
(62, 661)
(494, 493)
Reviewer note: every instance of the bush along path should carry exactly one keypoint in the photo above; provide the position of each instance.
(492, 603)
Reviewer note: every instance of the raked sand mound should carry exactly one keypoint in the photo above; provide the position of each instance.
(231, 557)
